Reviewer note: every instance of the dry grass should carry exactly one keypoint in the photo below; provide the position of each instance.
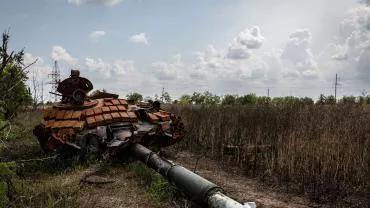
(321, 151)
(56, 182)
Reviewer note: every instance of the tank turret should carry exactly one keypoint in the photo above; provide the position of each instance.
(103, 121)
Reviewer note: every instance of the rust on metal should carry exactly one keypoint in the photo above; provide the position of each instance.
(105, 109)
(121, 108)
(113, 108)
(98, 111)
(102, 112)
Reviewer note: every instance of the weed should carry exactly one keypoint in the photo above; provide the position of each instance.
(159, 190)
(319, 150)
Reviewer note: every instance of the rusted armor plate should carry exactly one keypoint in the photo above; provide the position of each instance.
(94, 113)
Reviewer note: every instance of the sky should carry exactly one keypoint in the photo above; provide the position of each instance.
(291, 47)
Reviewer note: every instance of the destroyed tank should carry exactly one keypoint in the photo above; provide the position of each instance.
(103, 122)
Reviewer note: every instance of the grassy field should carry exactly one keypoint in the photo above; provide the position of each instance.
(319, 151)
(57, 183)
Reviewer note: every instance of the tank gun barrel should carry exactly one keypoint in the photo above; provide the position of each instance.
(198, 189)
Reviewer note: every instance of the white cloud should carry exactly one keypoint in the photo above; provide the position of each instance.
(38, 76)
(310, 74)
(237, 51)
(168, 71)
(339, 51)
(117, 70)
(102, 2)
(124, 68)
(140, 38)
(59, 53)
(97, 34)
(99, 66)
(349, 53)
(248, 39)
(29, 58)
(119, 76)
(297, 47)
(251, 38)
(242, 65)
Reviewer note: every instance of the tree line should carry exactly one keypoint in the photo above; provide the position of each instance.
(208, 98)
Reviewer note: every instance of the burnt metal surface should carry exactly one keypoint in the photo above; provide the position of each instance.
(111, 120)
(75, 88)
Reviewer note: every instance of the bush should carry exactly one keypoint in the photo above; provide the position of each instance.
(14, 94)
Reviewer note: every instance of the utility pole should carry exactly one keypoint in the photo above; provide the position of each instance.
(55, 79)
(268, 92)
(336, 85)
(162, 97)
(42, 94)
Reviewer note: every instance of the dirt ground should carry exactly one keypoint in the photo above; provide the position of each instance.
(238, 187)
(123, 190)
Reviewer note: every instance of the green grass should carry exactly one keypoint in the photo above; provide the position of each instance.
(56, 182)
(159, 191)
(43, 186)
(35, 183)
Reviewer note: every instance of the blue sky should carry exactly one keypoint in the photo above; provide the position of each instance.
(235, 46)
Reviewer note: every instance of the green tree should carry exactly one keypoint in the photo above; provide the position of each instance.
(321, 100)
(249, 99)
(198, 98)
(229, 100)
(290, 100)
(331, 100)
(13, 76)
(277, 101)
(348, 100)
(263, 100)
(135, 96)
(306, 101)
(364, 100)
(185, 99)
(210, 99)
(166, 97)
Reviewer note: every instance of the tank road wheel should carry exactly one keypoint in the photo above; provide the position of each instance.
(42, 136)
(90, 148)
(79, 96)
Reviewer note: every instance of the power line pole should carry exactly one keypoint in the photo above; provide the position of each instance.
(336, 85)
(55, 79)
(162, 94)
(42, 94)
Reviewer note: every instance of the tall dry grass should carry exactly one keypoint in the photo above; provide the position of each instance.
(322, 151)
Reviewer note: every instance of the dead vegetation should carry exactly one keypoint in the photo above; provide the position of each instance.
(28, 178)
(317, 150)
